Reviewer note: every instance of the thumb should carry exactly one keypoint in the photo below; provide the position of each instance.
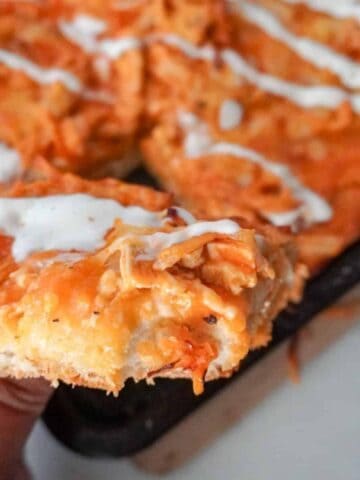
(21, 402)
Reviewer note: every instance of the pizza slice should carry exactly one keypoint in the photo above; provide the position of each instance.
(103, 281)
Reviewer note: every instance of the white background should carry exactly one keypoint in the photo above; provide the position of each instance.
(307, 431)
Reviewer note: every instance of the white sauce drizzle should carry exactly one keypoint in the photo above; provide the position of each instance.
(83, 30)
(159, 241)
(89, 25)
(205, 52)
(41, 75)
(230, 114)
(335, 8)
(10, 163)
(322, 96)
(65, 222)
(313, 209)
(127, 4)
(186, 216)
(318, 54)
(305, 96)
(47, 76)
(79, 222)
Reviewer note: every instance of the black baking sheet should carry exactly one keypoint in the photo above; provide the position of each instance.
(93, 424)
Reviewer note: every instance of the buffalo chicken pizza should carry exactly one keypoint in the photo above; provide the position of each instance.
(246, 113)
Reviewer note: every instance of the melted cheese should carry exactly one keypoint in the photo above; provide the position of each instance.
(10, 164)
(313, 208)
(314, 52)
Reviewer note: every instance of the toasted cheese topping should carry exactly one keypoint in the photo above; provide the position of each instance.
(10, 163)
(314, 208)
(318, 54)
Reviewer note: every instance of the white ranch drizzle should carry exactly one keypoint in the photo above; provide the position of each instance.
(64, 222)
(230, 114)
(79, 222)
(47, 76)
(88, 24)
(83, 30)
(186, 216)
(10, 163)
(318, 54)
(205, 52)
(321, 96)
(41, 75)
(313, 209)
(335, 8)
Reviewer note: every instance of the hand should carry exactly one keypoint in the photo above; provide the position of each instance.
(21, 402)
